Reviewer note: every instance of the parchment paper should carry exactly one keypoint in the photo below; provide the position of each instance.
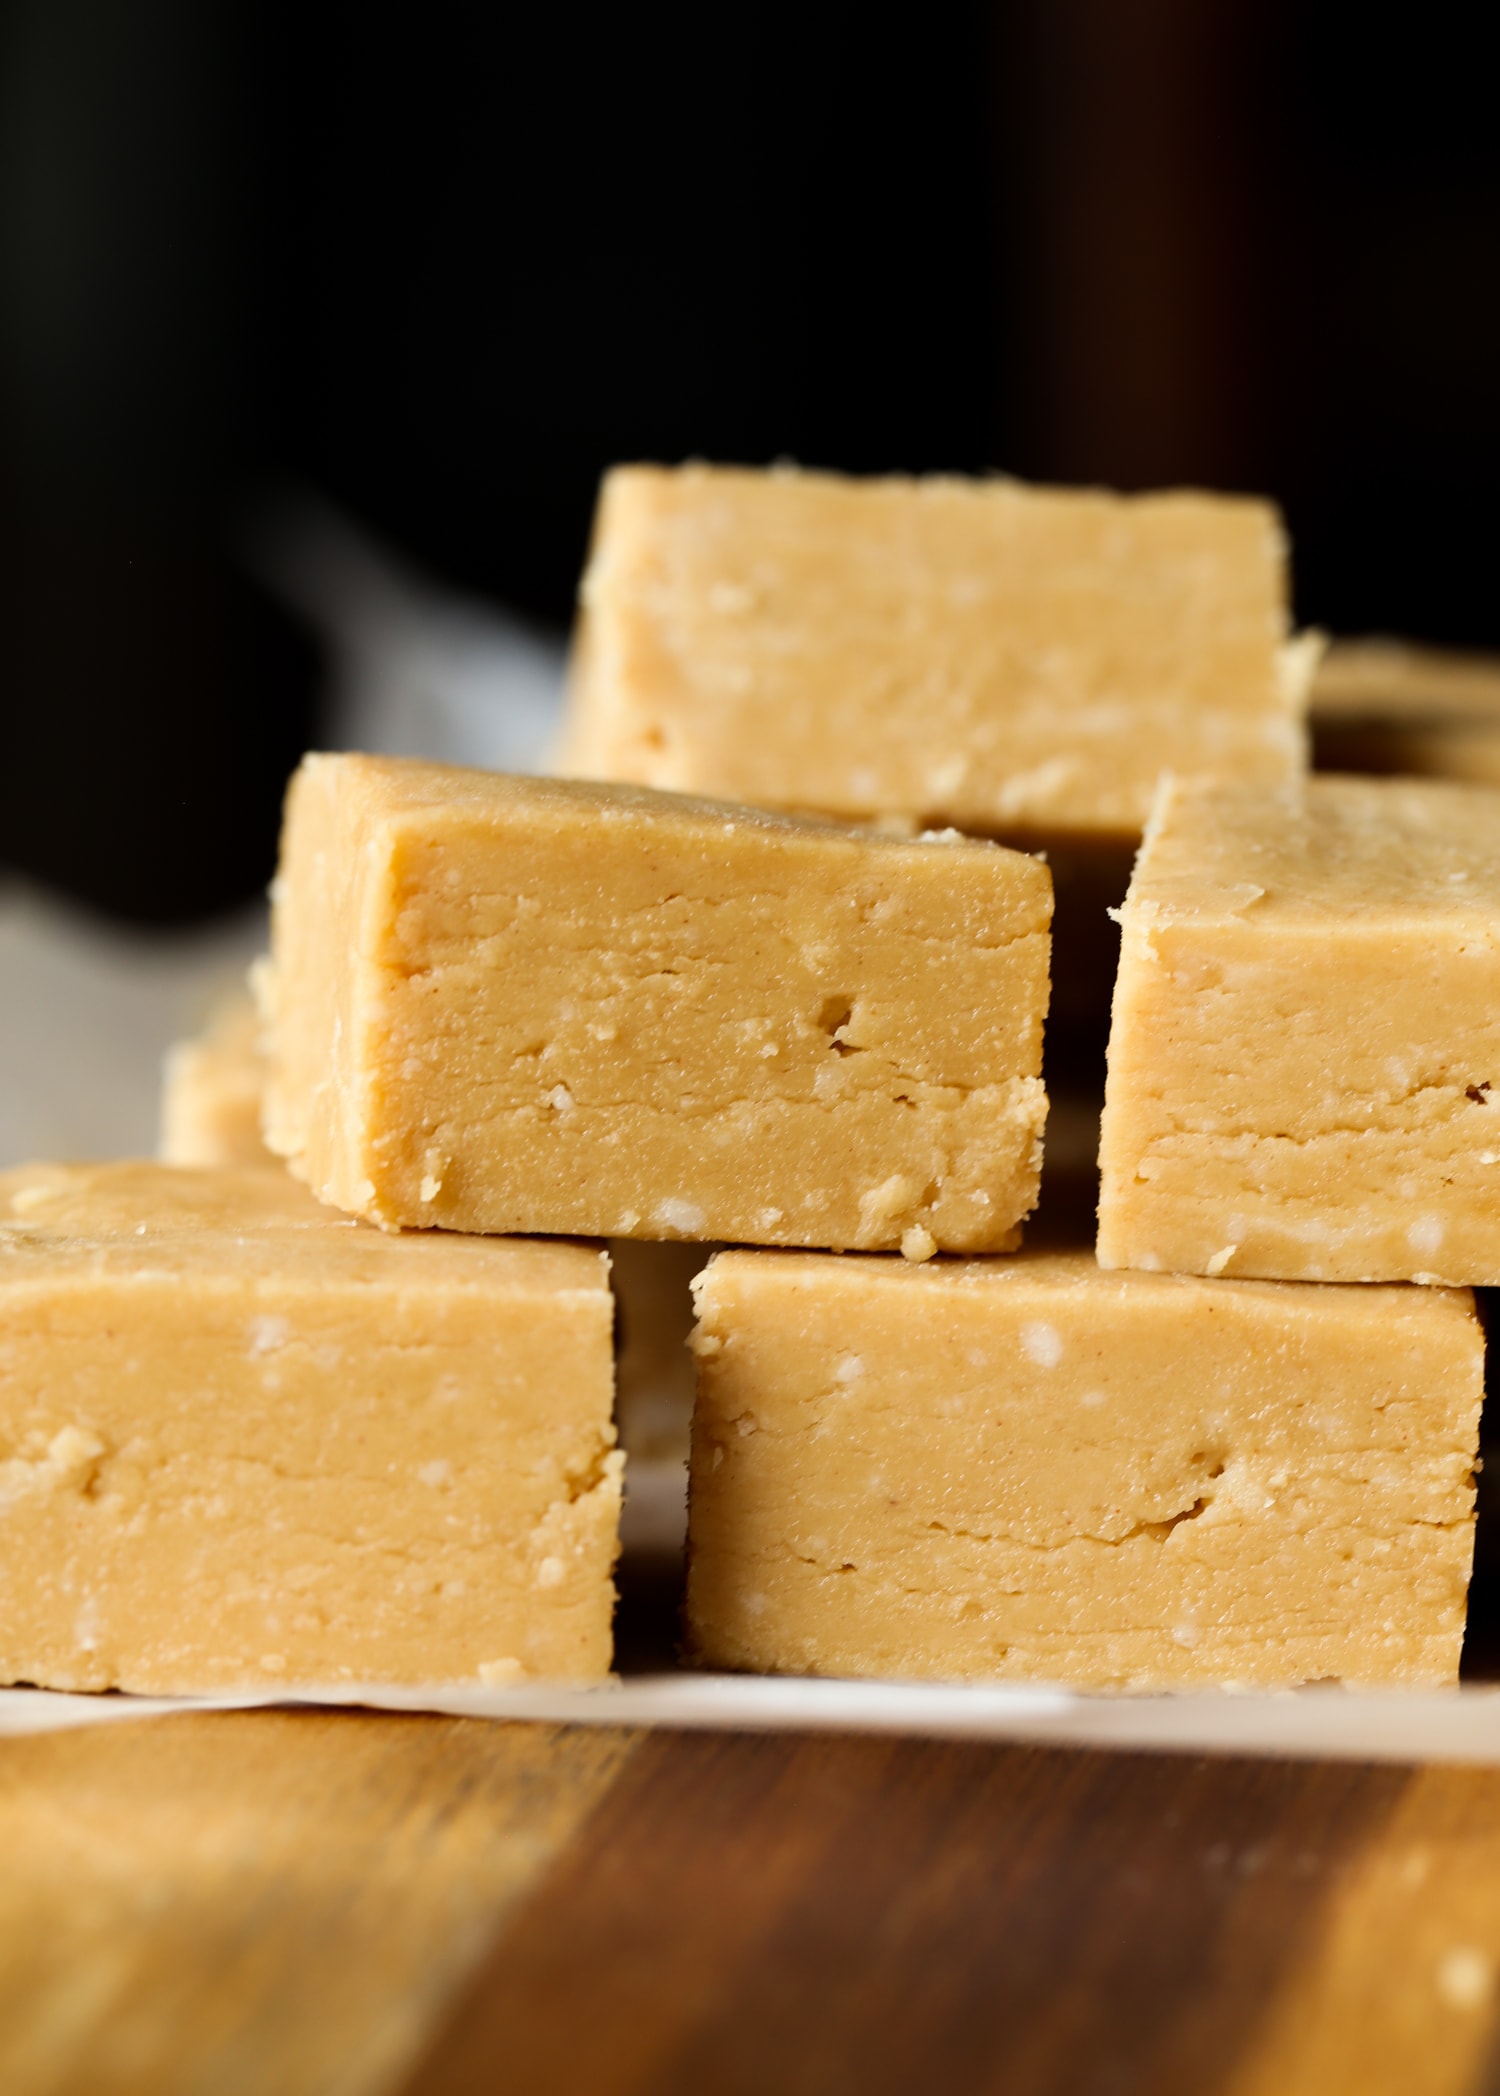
(1444, 1725)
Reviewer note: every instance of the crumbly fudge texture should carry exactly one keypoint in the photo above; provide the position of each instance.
(1029, 1469)
(244, 1440)
(1304, 1062)
(212, 1086)
(1019, 661)
(518, 1004)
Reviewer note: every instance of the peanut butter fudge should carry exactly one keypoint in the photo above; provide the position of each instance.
(526, 1004)
(1027, 1469)
(211, 1112)
(244, 1440)
(212, 1087)
(1306, 1037)
(1387, 706)
(1019, 661)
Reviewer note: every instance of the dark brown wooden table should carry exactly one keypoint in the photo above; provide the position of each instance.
(320, 1902)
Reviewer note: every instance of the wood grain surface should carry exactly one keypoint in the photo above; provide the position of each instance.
(384, 1906)
(263, 1901)
(860, 1915)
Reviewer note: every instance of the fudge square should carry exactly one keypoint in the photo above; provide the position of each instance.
(210, 1114)
(244, 1440)
(1028, 1469)
(1019, 661)
(1388, 706)
(1304, 1058)
(533, 1005)
(212, 1087)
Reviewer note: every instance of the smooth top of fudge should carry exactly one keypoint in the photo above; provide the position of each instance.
(1362, 852)
(517, 1004)
(1075, 1282)
(120, 1220)
(1007, 657)
(392, 795)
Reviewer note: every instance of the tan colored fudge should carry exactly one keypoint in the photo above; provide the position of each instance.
(509, 1004)
(212, 1087)
(211, 1114)
(1018, 661)
(246, 1441)
(1304, 1062)
(1389, 706)
(1030, 1470)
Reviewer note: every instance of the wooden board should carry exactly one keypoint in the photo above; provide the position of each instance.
(358, 1904)
(263, 1901)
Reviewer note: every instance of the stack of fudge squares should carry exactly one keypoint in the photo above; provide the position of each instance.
(757, 987)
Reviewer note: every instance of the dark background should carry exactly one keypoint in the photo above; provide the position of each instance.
(444, 264)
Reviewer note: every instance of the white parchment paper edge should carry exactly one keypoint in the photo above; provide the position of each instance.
(1439, 1725)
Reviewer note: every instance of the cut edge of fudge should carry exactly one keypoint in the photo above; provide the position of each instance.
(364, 836)
(407, 1473)
(1302, 1035)
(871, 1497)
(623, 656)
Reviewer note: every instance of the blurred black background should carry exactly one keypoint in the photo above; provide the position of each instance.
(444, 264)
